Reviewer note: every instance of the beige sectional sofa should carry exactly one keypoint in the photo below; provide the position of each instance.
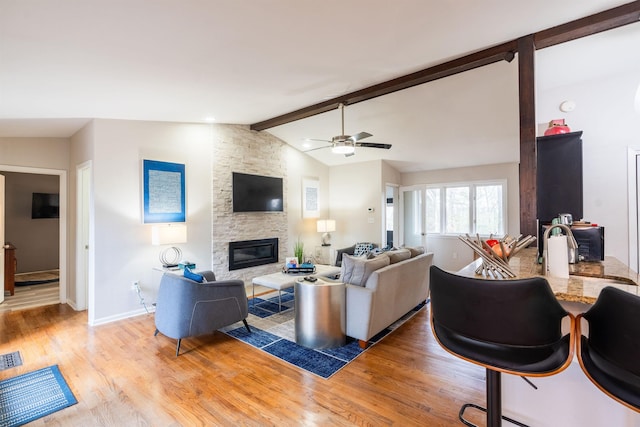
(382, 289)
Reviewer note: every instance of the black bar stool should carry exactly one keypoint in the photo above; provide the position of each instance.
(510, 326)
(610, 355)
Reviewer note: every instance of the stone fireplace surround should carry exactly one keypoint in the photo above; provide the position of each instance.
(238, 149)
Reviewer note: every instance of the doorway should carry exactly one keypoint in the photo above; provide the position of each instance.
(62, 223)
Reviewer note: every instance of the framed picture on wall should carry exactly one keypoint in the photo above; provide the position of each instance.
(164, 198)
(310, 198)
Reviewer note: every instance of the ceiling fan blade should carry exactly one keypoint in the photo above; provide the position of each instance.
(359, 136)
(373, 145)
(318, 140)
(317, 148)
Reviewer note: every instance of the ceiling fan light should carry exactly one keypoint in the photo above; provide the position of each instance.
(343, 147)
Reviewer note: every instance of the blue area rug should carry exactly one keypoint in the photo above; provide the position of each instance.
(33, 395)
(274, 333)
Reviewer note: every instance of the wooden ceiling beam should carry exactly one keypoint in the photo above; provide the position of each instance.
(503, 52)
(593, 24)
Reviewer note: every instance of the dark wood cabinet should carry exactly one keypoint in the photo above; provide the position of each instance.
(10, 266)
(559, 176)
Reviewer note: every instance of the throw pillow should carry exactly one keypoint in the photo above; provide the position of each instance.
(346, 268)
(398, 255)
(193, 276)
(362, 249)
(356, 270)
(418, 250)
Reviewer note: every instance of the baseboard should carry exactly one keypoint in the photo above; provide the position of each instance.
(122, 316)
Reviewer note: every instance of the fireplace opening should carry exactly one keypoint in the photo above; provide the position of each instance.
(250, 253)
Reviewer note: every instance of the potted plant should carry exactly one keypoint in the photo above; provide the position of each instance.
(298, 251)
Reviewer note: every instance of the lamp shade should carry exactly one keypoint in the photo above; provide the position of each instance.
(326, 225)
(168, 234)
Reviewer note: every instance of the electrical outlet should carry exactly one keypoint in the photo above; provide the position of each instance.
(318, 252)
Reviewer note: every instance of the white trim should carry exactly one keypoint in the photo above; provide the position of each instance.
(633, 215)
(122, 316)
(84, 268)
(62, 174)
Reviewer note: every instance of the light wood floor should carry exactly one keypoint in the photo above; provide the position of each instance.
(33, 295)
(124, 376)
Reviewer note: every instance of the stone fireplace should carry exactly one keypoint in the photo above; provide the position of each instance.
(250, 253)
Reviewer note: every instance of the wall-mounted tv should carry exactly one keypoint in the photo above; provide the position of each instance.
(256, 193)
(45, 205)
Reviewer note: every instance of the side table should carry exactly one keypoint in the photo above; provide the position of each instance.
(320, 320)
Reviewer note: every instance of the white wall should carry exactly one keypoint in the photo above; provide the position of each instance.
(299, 167)
(354, 189)
(122, 248)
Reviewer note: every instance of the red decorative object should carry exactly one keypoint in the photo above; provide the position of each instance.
(557, 127)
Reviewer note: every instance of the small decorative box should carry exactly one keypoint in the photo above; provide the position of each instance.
(186, 264)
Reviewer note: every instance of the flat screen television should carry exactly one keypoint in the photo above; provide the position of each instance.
(257, 193)
(45, 205)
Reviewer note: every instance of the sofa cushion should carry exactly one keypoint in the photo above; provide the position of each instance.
(418, 250)
(356, 270)
(362, 249)
(398, 255)
(193, 276)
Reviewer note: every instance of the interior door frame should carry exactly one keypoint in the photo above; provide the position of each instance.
(62, 240)
(84, 278)
(401, 229)
(633, 188)
(2, 241)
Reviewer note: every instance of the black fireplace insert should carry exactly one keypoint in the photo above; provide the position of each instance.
(250, 253)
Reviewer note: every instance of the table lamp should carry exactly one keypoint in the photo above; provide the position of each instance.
(169, 234)
(326, 226)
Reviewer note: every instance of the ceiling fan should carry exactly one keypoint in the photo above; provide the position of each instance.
(346, 144)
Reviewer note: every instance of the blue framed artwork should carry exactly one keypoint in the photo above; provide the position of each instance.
(164, 192)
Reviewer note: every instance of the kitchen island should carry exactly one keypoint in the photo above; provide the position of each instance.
(568, 398)
(586, 279)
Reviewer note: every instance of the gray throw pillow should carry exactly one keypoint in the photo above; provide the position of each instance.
(356, 270)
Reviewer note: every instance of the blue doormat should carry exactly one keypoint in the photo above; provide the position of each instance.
(33, 395)
(10, 360)
(274, 333)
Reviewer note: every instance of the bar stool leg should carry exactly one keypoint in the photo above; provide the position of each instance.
(494, 404)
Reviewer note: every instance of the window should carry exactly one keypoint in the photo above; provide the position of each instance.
(433, 210)
(473, 208)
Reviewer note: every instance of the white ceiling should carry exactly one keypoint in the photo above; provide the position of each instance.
(64, 62)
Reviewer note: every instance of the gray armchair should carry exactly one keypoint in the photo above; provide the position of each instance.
(186, 308)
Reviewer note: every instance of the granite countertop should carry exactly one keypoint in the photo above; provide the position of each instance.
(586, 279)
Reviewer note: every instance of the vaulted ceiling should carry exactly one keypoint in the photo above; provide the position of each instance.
(64, 62)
